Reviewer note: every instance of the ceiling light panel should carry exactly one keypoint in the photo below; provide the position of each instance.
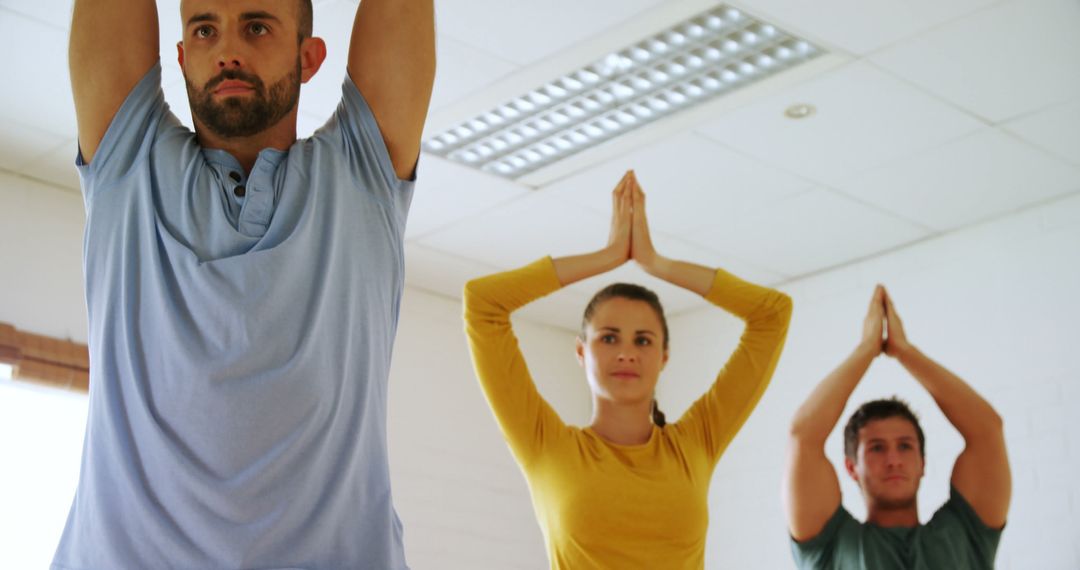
(694, 61)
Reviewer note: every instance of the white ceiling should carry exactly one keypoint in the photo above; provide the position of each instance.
(931, 115)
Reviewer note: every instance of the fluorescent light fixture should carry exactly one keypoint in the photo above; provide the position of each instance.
(694, 61)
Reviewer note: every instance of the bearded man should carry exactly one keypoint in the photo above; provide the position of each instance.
(242, 286)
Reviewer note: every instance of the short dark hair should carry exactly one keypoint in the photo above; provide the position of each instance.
(304, 20)
(878, 410)
(634, 293)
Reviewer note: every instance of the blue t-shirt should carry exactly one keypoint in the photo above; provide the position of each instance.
(240, 337)
(955, 538)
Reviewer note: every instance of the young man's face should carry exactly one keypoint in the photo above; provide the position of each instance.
(888, 465)
(242, 63)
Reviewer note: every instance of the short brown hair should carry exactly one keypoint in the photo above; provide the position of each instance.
(304, 20)
(878, 410)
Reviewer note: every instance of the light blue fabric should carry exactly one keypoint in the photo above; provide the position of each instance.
(239, 348)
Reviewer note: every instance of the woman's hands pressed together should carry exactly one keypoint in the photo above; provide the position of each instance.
(619, 237)
(629, 238)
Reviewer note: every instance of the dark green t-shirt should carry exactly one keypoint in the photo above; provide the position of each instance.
(954, 539)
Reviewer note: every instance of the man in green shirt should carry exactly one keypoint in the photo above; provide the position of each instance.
(883, 448)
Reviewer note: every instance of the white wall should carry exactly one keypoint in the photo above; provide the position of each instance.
(41, 436)
(459, 492)
(997, 304)
(41, 230)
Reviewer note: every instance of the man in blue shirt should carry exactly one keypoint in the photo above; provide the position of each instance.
(242, 286)
(884, 454)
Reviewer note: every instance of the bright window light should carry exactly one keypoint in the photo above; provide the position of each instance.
(6, 371)
(41, 434)
(694, 61)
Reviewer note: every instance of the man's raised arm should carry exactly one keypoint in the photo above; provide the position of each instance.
(113, 44)
(981, 472)
(392, 63)
(811, 488)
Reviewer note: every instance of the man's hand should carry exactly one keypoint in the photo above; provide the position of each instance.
(573, 268)
(896, 344)
(874, 323)
(641, 246)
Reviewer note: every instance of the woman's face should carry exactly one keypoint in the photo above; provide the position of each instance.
(623, 351)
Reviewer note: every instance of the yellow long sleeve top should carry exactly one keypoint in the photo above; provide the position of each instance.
(603, 505)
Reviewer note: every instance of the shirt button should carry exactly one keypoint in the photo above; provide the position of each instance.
(239, 191)
(235, 176)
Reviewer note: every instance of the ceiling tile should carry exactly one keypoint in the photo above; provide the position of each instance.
(447, 192)
(809, 232)
(38, 89)
(56, 166)
(20, 145)
(1055, 129)
(864, 119)
(522, 231)
(690, 182)
(463, 69)
(861, 26)
(998, 63)
(525, 32)
(967, 180)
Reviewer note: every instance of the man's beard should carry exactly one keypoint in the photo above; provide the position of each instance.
(245, 115)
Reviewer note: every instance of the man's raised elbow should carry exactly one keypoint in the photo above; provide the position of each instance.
(802, 434)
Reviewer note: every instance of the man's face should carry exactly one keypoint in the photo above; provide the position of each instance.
(241, 62)
(888, 465)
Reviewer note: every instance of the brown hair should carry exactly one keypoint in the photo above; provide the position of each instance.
(634, 293)
(879, 410)
(304, 20)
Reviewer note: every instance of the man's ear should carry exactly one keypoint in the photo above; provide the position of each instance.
(849, 466)
(312, 56)
(180, 54)
(579, 349)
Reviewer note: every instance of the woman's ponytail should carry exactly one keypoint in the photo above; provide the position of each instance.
(657, 415)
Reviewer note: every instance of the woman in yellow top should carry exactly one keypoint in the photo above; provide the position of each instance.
(628, 491)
